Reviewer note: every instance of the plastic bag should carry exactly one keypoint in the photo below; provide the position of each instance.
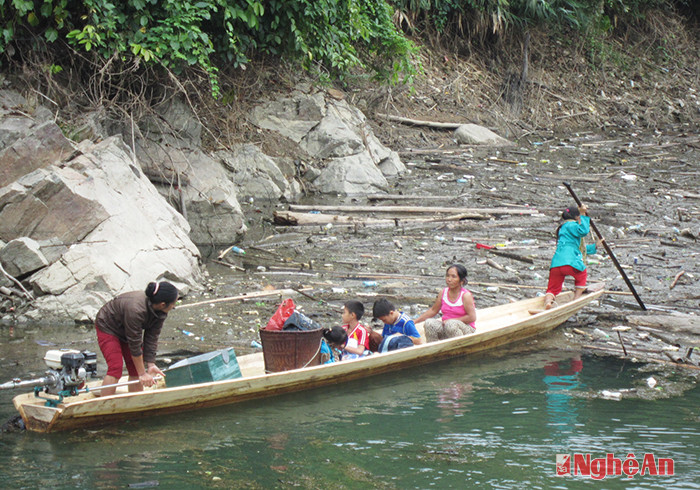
(299, 321)
(284, 311)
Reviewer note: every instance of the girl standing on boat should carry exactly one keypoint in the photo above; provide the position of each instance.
(457, 306)
(569, 256)
(128, 328)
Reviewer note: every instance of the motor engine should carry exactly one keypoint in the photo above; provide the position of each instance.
(68, 370)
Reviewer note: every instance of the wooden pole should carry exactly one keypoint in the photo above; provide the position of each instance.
(609, 250)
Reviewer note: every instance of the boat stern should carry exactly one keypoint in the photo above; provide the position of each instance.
(36, 416)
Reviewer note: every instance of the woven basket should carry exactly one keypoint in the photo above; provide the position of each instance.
(290, 349)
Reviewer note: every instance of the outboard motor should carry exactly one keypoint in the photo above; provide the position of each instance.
(68, 371)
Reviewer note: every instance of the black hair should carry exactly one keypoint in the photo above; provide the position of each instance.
(382, 307)
(354, 306)
(461, 272)
(336, 335)
(161, 292)
(569, 213)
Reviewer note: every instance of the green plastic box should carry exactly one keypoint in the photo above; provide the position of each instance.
(212, 366)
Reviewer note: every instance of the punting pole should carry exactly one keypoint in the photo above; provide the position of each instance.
(609, 250)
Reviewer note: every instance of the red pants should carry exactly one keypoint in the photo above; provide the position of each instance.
(557, 275)
(114, 351)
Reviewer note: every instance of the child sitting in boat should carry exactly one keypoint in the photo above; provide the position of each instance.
(457, 306)
(358, 335)
(335, 338)
(399, 330)
(568, 259)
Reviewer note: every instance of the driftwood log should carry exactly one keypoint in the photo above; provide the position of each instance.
(414, 209)
(291, 218)
(418, 122)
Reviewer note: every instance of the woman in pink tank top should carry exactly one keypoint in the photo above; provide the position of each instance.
(457, 306)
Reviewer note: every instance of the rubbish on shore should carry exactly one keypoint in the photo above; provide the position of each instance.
(600, 333)
(651, 382)
(622, 328)
(369, 284)
(255, 344)
(611, 395)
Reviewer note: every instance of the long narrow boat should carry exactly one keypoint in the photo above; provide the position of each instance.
(496, 326)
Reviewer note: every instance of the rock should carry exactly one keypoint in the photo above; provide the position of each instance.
(192, 181)
(335, 132)
(48, 204)
(473, 134)
(41, 146)
(351, 175)
(9, 99)
(253, 173)
(291, 117)
(22, 256)
(140, 238)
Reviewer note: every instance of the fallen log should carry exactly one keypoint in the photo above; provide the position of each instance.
(418, 122)
(619, 352)
(401, 197)
(413, 209)
(291, 218)
(668, 323)
(495, 265)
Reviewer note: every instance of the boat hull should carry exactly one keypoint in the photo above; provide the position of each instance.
(496, 327)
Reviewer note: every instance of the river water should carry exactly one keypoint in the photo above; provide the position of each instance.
(497, 421)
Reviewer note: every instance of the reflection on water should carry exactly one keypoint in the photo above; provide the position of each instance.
(491, 422)
(562, 380)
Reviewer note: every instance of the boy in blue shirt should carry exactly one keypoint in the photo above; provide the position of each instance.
(396, 323)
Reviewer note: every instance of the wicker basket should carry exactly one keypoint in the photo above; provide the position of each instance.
(290, 349)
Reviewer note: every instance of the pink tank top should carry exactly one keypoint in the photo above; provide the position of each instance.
(455, 309)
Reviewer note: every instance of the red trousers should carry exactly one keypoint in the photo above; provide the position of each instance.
(114, 351)
(557, 275)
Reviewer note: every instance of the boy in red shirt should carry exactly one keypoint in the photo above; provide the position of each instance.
(358, 335)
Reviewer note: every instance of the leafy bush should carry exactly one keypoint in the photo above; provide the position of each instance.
(332, 35)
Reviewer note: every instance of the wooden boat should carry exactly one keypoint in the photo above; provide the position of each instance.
(496, 326)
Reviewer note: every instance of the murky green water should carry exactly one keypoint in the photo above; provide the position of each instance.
(490, 422)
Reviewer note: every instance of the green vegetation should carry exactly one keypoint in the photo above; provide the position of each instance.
(330, 37)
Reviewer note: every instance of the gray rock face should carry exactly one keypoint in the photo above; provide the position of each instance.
(48, 203)
(108, 229)
(255, 174)
(192, 181)
(200, 188)
(22, 256)
(355, 162)
(473, 134)
(44, 145)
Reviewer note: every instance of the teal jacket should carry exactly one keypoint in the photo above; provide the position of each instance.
(569, 244)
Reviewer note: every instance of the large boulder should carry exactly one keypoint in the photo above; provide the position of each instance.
(336, 133)
(256, 175)
(22, 256)
(126, 233)
(41, 145)
(48, 203)
(473, 134)
(199, 187)
(168, 149)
